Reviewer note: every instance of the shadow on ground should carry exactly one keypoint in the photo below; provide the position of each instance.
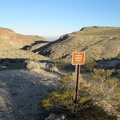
(20, 91)
(9, 63)
(39, 42)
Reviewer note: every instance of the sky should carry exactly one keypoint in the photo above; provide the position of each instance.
(49, 18)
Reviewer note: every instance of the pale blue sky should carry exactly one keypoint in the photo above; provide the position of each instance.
(57, 17)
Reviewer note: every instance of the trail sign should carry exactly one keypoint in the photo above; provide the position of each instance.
(78, 58)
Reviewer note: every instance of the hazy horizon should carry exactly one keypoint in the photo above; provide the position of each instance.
(51, 38)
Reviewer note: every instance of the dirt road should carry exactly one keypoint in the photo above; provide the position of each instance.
(21, 90)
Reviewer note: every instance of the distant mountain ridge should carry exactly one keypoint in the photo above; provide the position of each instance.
(97, 42)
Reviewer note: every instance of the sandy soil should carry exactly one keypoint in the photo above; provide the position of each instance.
(21, 90)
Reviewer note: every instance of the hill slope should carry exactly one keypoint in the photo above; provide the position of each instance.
(98, 43)
(9, 39)
(11, 44)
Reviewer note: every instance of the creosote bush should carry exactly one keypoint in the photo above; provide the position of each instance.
(62, 64)
(89, 66)
(105, 89)
(32, 65)
(106, 83)
(62, 97)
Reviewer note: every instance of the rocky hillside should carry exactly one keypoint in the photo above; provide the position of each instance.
(16, 47)
(10, 40)
(97, 42)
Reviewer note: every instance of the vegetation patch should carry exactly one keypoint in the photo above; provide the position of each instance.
(61, 100)
(62, 64)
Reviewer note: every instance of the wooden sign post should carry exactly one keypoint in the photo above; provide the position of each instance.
(78, 58)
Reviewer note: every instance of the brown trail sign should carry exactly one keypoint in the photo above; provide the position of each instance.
(78, 58)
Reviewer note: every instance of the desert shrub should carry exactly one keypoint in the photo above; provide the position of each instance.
(32, 65)
(48, 66)
(117, 74)
(105, 79)
(57, 100)
(62, 97)
(105, 89)
(62, 64)
(89, 66)
(66, 81)
(61, 100)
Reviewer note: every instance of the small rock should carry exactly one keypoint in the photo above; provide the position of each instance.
(53, 116)
(33, 83)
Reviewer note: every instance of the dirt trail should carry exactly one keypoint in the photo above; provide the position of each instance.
(20, 91)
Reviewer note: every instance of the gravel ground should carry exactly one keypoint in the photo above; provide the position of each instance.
(21, 90)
